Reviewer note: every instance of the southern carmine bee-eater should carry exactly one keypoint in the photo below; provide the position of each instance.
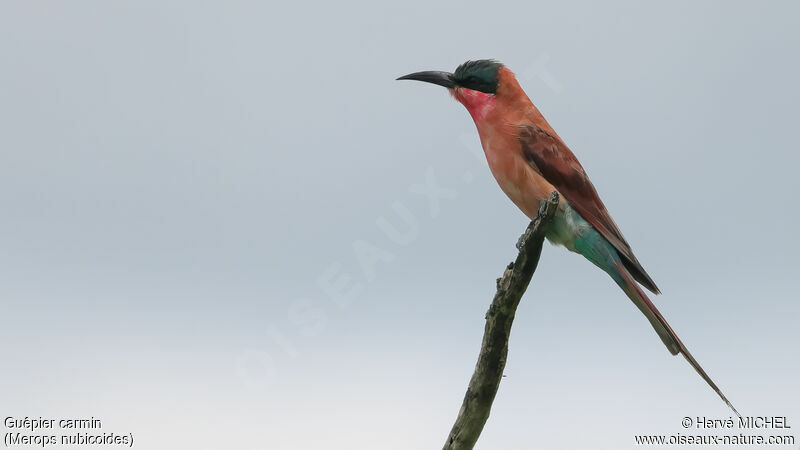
(530, 161)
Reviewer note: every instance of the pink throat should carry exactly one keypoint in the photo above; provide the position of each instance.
(477, 103)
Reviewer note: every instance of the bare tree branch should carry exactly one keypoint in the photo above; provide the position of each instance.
(494, 349)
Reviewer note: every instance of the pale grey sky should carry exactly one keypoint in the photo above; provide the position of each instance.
(182, 181)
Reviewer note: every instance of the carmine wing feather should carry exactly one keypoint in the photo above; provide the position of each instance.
(551, 158)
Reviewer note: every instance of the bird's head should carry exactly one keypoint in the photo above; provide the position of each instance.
(475, 84)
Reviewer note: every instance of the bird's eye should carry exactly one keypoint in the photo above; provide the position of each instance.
(471, 82)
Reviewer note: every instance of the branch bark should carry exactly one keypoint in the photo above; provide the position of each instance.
(494, 348)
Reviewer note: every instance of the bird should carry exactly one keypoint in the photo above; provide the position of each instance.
(529, 161)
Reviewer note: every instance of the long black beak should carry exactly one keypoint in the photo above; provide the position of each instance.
(432, 76)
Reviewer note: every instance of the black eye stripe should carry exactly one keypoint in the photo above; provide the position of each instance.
(477, 84)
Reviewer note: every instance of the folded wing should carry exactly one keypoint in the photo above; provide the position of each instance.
(551, 158)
